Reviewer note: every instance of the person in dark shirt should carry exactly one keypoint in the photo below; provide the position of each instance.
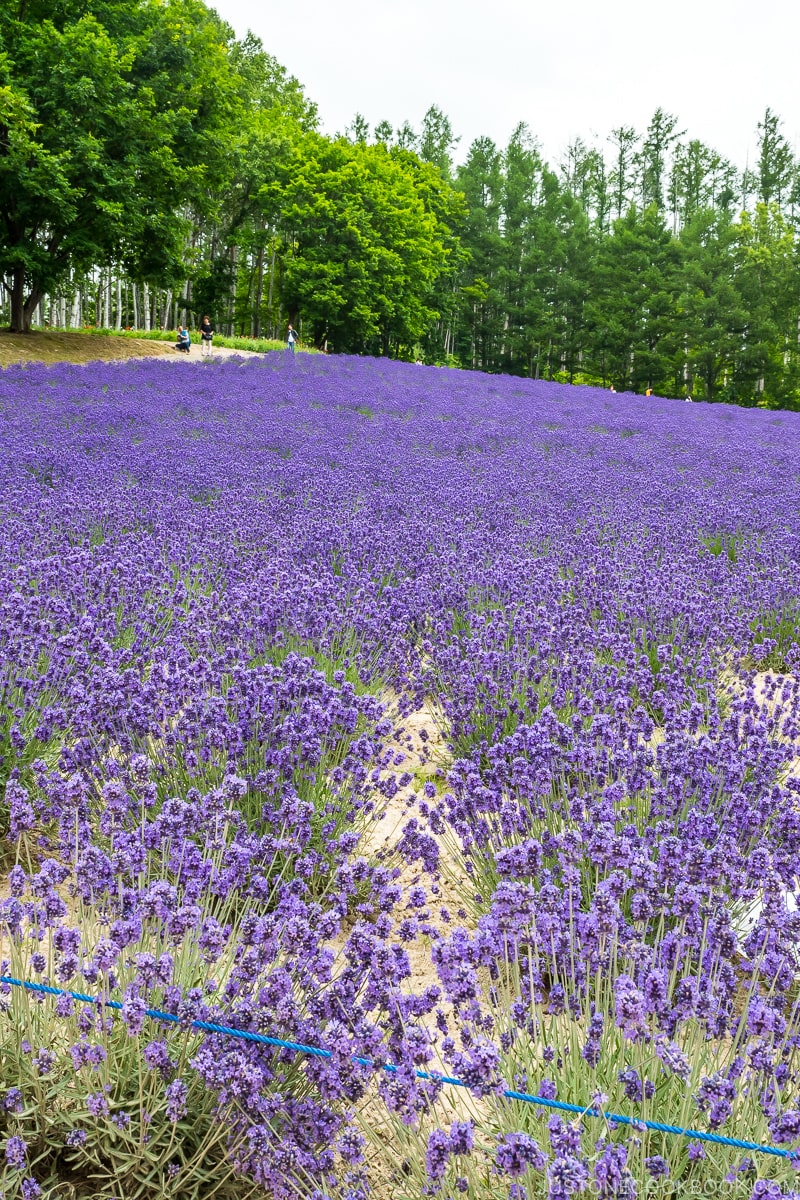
(206, 337)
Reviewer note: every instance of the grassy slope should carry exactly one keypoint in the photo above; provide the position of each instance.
(89, 345)
(53, 347)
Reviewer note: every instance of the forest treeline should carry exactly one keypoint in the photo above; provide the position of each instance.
(153, 168)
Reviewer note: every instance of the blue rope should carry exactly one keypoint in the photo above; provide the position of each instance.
(263, 1039)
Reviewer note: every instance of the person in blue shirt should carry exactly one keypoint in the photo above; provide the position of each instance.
(184, 339)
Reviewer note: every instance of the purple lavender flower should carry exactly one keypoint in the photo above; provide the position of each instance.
(611, 1175)
(21, 814)
(12, 1100)
(44, 1060)
(635, 1088)
(176, 1095)
(565, 1136)
(786, 1127)
(478, 1068)
(16, 1152)
(518, 1153)
(591, 1049)
(462, 1136)
(566, 1176)
(656, 1166)
(157, 1058)
(715, 1097)
(350, 1146)
(673, 1058)
(133, 1013)
(437, 1155)
(97, 1104)
(768, 1189)
(630, 1006)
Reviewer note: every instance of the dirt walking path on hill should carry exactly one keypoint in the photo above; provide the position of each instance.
(54, 346)
(167, 350)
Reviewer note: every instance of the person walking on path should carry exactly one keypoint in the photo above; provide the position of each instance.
(184, 340)
(291, 338)
(206, 338)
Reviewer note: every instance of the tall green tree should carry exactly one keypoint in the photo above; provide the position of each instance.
(585, 174)
(623, 167)
(776, 165)
(767, 365)
(522, 176)
(635, 342)
(480, 180)
(112, 117)
(437, 140)
(711, 315)
(363, 243)
(654, 157)
(234, 247)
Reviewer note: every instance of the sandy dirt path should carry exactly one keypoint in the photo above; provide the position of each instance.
(194, 355)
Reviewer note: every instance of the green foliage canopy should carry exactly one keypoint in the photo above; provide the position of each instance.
(364, 241)
(111, 118)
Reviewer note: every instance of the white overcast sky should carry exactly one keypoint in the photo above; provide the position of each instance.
(566, 67)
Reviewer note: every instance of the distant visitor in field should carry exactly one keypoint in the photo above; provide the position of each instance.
(291, 338)
(184, 339)
(206, 337)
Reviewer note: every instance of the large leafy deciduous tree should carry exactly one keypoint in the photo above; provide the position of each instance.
(363, 242)
(112, 117)
(231, 232)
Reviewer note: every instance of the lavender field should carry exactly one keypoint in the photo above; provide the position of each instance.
(446, 720)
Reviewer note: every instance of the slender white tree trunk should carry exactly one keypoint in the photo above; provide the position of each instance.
(146, 306)
(270, 323)
(235, 274)
(75, 310)
(256, 315)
